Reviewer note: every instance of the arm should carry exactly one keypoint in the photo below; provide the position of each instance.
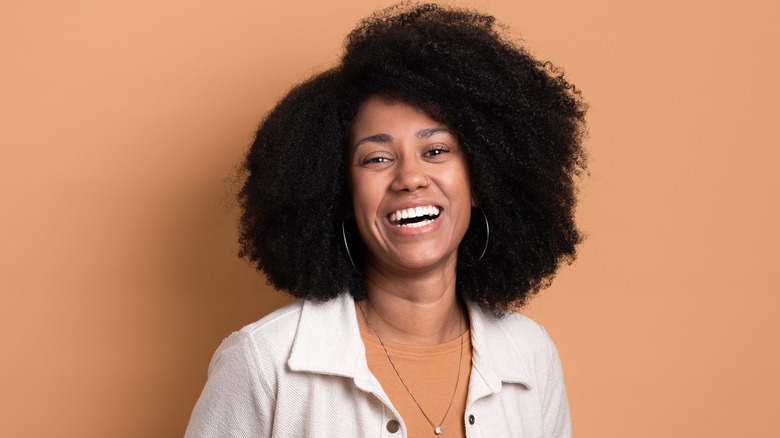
(556, 417)
(237, 400)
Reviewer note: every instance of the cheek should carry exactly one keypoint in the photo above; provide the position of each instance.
(466, 181)
(461, 185)
(364, 202)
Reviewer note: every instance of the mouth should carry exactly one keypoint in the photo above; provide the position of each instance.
(414, 217)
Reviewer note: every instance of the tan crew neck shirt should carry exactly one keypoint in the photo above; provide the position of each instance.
(430, 372)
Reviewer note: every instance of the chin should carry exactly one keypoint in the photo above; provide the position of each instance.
(421, 262)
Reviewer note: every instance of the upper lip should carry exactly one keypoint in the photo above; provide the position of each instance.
(412, 205)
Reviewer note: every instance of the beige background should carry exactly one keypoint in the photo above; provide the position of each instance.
(121, 124)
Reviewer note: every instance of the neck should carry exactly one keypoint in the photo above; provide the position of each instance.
(422, 309)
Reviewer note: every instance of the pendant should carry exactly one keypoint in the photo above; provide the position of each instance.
(437, 431)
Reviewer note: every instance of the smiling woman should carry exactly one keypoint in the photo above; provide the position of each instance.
(412, 196)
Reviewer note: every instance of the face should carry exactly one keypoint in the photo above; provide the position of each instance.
(410, 187)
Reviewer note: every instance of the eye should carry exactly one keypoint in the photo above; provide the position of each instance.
(436, 150)
(373, 160)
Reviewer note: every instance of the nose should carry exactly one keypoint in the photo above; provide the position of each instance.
(409, 176)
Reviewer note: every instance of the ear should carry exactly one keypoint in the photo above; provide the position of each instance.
(346, 209)
(346, 212)
(474, 193)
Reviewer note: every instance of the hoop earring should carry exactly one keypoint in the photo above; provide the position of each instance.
(346, 245)
(487, 234)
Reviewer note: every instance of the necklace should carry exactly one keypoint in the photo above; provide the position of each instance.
(436, 429)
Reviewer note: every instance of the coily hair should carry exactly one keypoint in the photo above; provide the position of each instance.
(519, 122)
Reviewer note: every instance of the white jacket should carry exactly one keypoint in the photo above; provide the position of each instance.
(301, 372)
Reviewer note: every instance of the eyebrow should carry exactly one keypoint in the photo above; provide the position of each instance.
(428, 132)
(376, 138)
(385, 138)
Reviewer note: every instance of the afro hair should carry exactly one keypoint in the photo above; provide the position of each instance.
(520, 123)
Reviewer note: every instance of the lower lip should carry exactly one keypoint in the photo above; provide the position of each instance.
(411, 231)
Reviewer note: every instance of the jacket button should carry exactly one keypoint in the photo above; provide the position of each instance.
(393, 426)
(471, 420)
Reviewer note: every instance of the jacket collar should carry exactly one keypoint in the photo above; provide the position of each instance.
(327, 341)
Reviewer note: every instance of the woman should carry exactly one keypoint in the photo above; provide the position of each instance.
(412, 196)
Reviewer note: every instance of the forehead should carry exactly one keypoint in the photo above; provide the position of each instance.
(379, 115)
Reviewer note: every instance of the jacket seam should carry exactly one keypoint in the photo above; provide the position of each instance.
(260, 378)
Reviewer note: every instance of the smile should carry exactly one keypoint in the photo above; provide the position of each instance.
(414, 217)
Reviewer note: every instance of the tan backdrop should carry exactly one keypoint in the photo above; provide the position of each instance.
(121, 124)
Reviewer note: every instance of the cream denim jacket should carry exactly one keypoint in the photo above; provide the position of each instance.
(301, 372)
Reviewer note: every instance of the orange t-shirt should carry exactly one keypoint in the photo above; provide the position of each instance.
(430, 372)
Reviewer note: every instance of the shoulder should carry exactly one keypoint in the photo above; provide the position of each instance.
(526, 333)
(273, 331)
(514, 329)
(241, 386)
(269, 338)
(277, 326)
(515, 348)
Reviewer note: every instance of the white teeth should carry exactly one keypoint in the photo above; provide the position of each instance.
(417, 224)
(410, 213)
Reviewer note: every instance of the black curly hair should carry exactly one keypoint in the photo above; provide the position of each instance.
(520, 123)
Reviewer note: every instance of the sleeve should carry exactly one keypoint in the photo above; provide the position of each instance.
(237, 400)
(556, 416)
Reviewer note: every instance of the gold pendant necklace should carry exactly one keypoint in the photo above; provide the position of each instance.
(436, 429)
